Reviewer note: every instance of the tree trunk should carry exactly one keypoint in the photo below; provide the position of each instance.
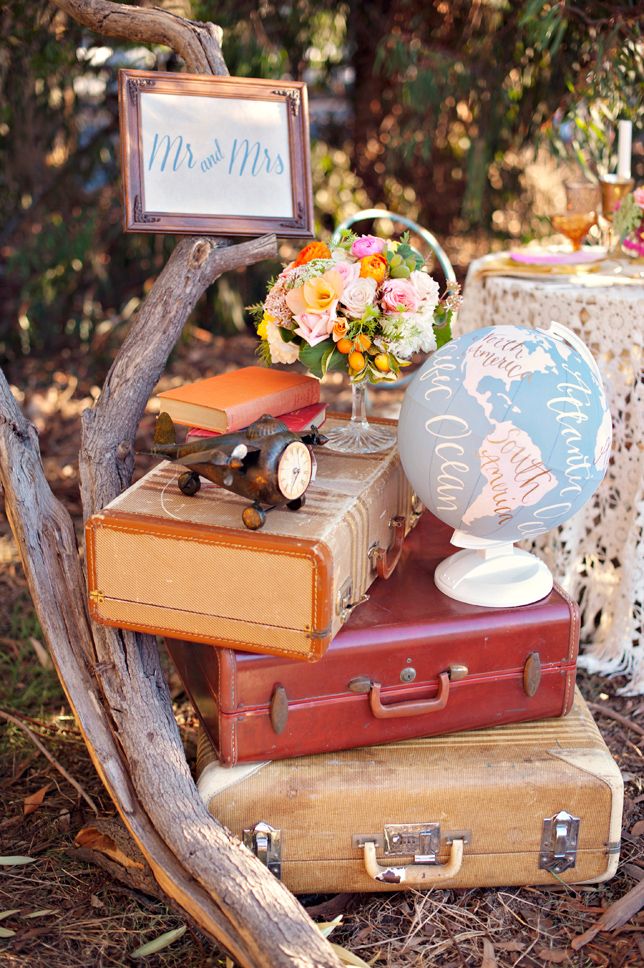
(113, 679)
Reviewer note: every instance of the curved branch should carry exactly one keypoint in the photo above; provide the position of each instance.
(198, 44)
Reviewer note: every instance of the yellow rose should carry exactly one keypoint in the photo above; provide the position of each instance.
(318, 295)
(262, 329)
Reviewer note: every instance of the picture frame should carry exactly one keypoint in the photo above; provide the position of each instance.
(208, 155)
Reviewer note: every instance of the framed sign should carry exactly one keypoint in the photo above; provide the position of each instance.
(214, 155)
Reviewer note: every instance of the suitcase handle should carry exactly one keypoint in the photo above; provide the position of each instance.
(416, 708)
(413, 874)
(386, 559)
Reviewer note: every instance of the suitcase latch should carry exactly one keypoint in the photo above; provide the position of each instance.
(559, 842)
(420, 840)
(344, 606)
(266, 843)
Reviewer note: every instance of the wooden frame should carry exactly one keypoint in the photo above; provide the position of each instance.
(224, 180)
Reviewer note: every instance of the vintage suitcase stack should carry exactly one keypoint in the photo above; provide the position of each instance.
(384, 806)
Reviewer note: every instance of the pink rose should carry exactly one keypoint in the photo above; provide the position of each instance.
(315, 327)
(366, 245)
(638, 196)
(350, 272)
(399, 295)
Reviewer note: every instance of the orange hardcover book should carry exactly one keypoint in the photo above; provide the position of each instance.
(233, 400)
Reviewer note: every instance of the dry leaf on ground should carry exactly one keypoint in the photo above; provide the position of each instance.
(615, 916)
(554, 956)
(31, 803)
(489, 958)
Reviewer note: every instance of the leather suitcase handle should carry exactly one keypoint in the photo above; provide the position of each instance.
(387, 558)
(413, 874)
(417, 707)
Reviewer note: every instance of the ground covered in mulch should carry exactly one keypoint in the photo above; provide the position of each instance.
(61, 912)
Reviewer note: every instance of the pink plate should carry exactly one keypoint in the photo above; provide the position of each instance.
(541, 257)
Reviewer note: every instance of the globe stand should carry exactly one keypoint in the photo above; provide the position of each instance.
(492, 573)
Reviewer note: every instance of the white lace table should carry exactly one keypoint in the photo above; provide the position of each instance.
(598, 556)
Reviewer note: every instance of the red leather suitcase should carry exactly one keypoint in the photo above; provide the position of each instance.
(410, 662)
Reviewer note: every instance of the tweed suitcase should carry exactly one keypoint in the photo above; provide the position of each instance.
(409, 662)
(161, 562)
(534, 803)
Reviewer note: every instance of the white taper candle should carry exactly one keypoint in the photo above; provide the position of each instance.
(624, 136)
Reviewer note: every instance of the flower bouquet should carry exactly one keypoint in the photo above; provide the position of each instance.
(628, 222)
(362, 305)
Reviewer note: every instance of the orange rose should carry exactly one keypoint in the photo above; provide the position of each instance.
(374, 267)
(314, 250)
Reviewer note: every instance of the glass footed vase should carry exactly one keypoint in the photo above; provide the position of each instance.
(358, 436)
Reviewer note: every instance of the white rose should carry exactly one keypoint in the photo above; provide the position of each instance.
(281, 351)
(426, 287)
(358, 295)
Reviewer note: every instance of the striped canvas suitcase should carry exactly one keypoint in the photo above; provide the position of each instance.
(534, 803)
(186, 567)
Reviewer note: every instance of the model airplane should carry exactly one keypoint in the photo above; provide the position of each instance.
(266, 463)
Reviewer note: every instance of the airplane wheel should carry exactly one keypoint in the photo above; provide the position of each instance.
(296, 504)
(253, 517)
(189, 483)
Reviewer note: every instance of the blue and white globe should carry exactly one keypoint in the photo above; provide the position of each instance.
(505, 432)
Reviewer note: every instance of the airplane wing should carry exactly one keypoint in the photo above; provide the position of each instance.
(216, 455)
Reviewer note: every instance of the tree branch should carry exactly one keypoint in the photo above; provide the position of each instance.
(109, 428)
(198, 44)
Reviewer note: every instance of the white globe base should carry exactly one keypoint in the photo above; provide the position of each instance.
(497, 576)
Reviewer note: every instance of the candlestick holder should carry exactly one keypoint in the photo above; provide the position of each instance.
(613, 190)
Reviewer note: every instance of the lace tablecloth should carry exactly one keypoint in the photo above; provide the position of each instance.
(598, 555)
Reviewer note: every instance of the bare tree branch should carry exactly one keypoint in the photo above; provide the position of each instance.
(198, 44)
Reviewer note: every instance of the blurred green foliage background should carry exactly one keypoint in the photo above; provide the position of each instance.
(430, 108)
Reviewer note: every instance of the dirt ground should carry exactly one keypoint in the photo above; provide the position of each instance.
(61, 912)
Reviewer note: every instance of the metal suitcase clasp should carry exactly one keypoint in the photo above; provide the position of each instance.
(266, 843)
(559, 842)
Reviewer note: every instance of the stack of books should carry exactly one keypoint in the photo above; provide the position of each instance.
(231, 401)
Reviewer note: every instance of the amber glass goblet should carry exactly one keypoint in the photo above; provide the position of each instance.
(613, 189)
(574, 225)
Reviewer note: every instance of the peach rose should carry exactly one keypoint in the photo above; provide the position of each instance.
(374, 267)
(339, 329)
(317, 295)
